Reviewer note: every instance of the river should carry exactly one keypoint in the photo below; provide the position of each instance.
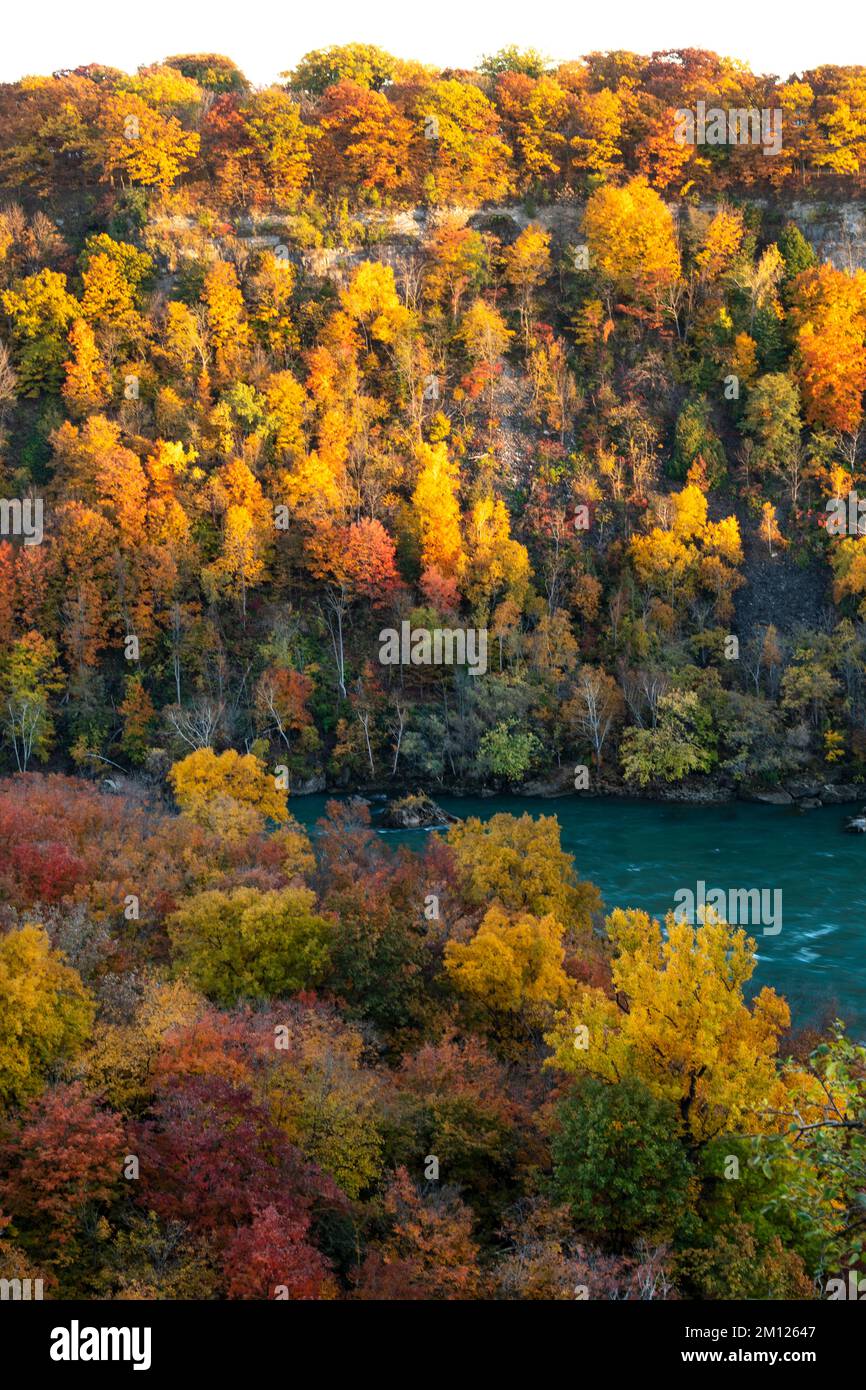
(640, 853)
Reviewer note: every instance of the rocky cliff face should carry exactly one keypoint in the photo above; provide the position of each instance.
(837, 231)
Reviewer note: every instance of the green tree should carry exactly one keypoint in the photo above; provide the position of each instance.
(362, 63)
(509, 752)
(772, 418)
(40, 312)
(696, 439)
(618, 1162)
(682, 742)
(252, 945)
(28, 678)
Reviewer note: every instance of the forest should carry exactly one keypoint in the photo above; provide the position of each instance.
(391, 430)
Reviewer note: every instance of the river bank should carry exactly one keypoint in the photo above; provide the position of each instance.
(808, 791)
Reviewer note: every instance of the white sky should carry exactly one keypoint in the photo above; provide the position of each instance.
(266, 37)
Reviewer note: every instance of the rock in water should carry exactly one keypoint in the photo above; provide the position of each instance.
(856, 825)
(418, 812)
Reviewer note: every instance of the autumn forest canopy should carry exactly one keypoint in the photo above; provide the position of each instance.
(493, 354)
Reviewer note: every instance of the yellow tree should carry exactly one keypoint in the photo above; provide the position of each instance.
(496, 566)
(527, 266)
(632, 241)
(828, 314)
(459, 145)
(224, 311)
(677, 1021)
(598, 115)
(437, 511)
(287, 404)
(227, 791)
(769, 527)
(519, 861)
(139, 144)
(247, 533)
(87, 386)
(511, 972)
(661, 561)
(535, 111)
(45, 1011)
(181, 338)
(485, 336)
(371, 299)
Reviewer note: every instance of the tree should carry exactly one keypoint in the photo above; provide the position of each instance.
(495, 566)
(519, 862)
(680, 743)
(369, 557)
(527, 61)
(210, 70)
(631, 240)
(828, 316)
(282, 697)
(324, 1098)
(87, 386)
(360, 63)
(527, 266)
(45, 1011)
(511, 971)
(697, 441)
(678, 1023)
(458, 148)
(769, 528)
(224, 313)
(366, 142)
(246, 944)
(485, 336)
(594, 709)
(459, 262)
(272, 1258)
(60, 1163)
(662, 560)
(138, 716)
(247, 534)
(428, 1251)
(618, 1161)
(508, 752)
(772, 418)
(437, 511)
(28, 679)
(355, 561)
(535, 112)
(260, 147)
(41, 313)
(139, 144)
(820, 1157)
(227, 790)
(596, 147)
(212, 1158)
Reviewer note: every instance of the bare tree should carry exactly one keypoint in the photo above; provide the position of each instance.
(597, 704)
(198, 724)
(8, 382)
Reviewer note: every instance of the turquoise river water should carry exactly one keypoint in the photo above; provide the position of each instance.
(641, 853)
